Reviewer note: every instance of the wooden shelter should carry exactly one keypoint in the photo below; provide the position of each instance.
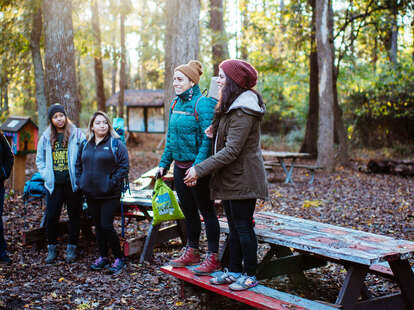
(145, 109)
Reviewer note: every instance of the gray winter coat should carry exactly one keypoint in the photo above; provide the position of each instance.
(237, 166)
(44, 160)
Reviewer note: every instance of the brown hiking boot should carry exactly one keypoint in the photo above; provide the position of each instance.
(209, 265)
(188, 258)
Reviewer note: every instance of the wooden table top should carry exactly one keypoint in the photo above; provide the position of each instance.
(330, 241)
(141, 197)
(284, 154)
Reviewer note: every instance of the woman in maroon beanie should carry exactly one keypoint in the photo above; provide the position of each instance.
(238, 174)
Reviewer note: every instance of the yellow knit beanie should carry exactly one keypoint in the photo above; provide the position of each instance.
(193, 70)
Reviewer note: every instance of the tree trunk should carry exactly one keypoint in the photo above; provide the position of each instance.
(122, 78)
(99, 81)
(326, 156)
(181, 41)
(60, 56)
(310, 144)
(219, 45)
(394, 34)
(38, 69)
(340, 133)
(244, 54)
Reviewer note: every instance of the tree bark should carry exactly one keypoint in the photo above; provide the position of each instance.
(38, 69)
(181, 41)
(244, 54)
(219, 45)
(310, 143)
(339, 129)
(394, 34)
(122, 77)
(60, 68)
(99, 81)
(326, 156)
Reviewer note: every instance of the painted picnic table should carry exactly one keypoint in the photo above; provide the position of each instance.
(281, 157)
(316, 243)
(138, 204)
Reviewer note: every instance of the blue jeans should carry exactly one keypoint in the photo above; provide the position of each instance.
(2, 241)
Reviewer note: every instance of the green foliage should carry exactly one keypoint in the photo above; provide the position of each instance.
(387, 92)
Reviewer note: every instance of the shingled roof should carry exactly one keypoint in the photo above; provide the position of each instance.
(139, 98)
(15, 123)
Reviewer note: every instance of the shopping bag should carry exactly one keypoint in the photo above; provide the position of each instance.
(164, 204)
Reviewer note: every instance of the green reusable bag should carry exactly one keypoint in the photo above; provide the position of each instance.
(164, 204)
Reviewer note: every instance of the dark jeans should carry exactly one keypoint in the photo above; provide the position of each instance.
(63, 194)
(103, 212)
(3, 244)
(242, 238)
(193, 199)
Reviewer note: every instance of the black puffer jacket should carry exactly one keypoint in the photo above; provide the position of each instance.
(101, 169)
(6, 159)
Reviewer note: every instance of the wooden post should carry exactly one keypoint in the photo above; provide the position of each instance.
(19, 172)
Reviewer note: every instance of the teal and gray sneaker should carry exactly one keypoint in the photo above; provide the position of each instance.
(117, 266)
(100, 263)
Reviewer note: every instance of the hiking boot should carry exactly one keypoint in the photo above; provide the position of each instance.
(209, 265)
(100, 263)
(51, 253)
(117, 266)
(190, 257)
(5, 260)
(70, 253)
(244, 282)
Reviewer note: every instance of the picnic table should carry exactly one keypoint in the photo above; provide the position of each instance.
(138, 204)
(289, 165)
(314, 244)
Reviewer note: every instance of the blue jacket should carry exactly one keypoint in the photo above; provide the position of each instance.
(186, 140)
(44, 160)
(101, 169)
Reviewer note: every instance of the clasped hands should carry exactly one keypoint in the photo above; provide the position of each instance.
(190, 178)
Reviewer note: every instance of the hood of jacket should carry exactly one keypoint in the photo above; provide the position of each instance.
(249, 103)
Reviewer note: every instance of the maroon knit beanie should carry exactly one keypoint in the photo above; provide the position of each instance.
(241, 72)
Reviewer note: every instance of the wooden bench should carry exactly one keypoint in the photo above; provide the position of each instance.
(297, 245)
(311, 168)
(261, 297)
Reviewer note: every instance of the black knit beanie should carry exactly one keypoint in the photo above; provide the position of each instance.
(54, 108)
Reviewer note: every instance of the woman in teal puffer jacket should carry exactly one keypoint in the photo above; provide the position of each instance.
(186, 144)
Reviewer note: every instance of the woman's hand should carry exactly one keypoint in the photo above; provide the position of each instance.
(190, 177)
(160, 173)
(209, 132)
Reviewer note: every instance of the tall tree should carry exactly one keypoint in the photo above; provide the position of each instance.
(219, 45)
(122, 77)
(181, 41)
(244, 4)
(311, 134)
(38, 66)
(60, 56)
(99, 81)
(326, 155)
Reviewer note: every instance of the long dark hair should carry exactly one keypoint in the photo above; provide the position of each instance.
(230, 92)
(66, 133)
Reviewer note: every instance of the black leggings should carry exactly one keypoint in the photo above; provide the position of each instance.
(193, 199)
(63, 193)
(242, 238)
(103, 212)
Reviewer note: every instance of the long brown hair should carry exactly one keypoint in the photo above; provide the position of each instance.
(66, 133)
(230, 92)
(111, 130)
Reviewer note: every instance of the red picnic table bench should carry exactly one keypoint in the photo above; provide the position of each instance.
(297, 245)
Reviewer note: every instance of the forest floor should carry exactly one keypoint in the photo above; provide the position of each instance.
(349, 197)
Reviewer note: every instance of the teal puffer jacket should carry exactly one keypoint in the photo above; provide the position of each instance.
(186, 140)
